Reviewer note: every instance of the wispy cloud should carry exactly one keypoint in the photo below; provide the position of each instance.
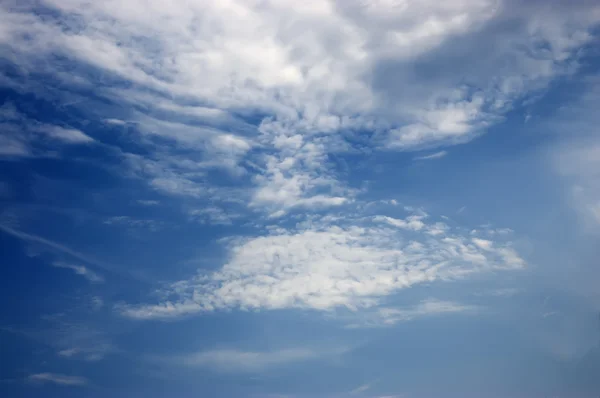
(75, 340)
(56, 378)
(91, 353)
(69, 135)
(435, 155)
(248, 361)
(81, 270)
(425, 308)
(48, 243)
(388, 316)
(62, 249)
(360, 389)
(24, 137)
(148, 202)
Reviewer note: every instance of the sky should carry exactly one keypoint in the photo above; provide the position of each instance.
(275, 198)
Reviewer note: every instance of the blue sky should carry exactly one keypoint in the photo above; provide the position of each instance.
(299, 199)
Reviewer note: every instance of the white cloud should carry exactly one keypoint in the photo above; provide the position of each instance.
(330, 263)
(23, 137)
(57, 378)
(148, 202)
(361, 389)
(212, 215)
(425, 308)
(13, 147)
(80, 270)
(311, 76)
(152, 225)
(435, 155)
(90, 353)
(387, 316)
(229, 360)
(69, 135)
(57, 247)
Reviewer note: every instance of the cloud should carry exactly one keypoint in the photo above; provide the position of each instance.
(24, 137)
(90, 354)
(74, 340)
(361, 389)
(435, 155)
(269, 91)
(329, 263)
(148, 202)
(247, 361)
(97, 302)
(212, 215)
(388, 316)
(56, 378)
(68, 135)
(425, 308)
(80, 270)
(62, 249)
(578, 164)
(130, 222)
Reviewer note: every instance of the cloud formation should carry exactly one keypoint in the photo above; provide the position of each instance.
(328, 263)
(247, 361)
(56, 378)
(22, 137)
(268, 91)
(80, 270)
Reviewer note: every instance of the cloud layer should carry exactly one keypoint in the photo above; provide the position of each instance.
(267, 91)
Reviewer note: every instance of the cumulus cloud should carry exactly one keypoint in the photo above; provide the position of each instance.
(56, 378)
(330, 263)
(272, 89)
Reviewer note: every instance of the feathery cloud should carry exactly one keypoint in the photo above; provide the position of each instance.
(56, 378)
(80, 270)
(247, 361)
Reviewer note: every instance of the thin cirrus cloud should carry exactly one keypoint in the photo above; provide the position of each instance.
(81, 270)
(23, 137)
(318, 74)
(387, 316)
(231, 360)
(324, 265)
(59, 379)
(435, 155)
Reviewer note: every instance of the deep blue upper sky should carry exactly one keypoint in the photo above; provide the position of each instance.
(299, 199)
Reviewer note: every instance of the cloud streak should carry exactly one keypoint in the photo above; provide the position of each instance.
(59, 379)
(81, 270)
(247, 361)
(435, 155)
